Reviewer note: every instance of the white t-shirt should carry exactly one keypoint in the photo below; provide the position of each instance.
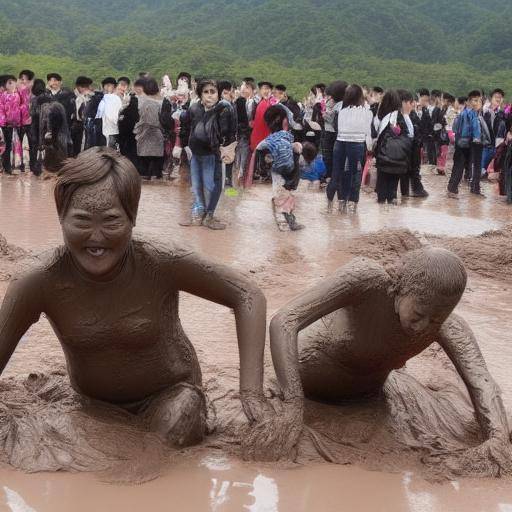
(108, 110)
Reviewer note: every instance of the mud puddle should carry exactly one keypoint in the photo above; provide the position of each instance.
(283, 264)
(216, 484)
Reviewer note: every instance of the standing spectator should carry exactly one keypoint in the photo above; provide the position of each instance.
(25, 84)
(148, 132)
(13, 113)
(205, 164)
(83, 94)
(495, 119)
(55, 92)
(228, 127)
(334, 103)
(354, 136)
(108, 112)
(244, 105)
(393, 149)
(468, 138)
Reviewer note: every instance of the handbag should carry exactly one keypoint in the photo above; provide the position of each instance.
(394, 150)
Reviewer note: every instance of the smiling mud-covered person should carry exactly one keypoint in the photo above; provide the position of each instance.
(113, 303)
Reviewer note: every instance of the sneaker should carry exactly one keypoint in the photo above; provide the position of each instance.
(420, 193)
(453, 195)
(211, 222)
(194, 220)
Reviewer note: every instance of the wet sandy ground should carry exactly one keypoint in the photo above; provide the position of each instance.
(283, 264)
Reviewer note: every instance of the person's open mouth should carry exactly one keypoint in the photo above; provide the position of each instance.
(96, 252)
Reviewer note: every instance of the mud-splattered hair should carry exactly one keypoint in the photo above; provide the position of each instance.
(93, 165)
(431, 271)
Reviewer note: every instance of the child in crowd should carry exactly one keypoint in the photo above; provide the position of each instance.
(281, 148)
(312, 167)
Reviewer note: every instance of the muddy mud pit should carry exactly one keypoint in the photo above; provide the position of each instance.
(374, 445)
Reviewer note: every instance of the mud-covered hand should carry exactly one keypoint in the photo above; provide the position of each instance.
(275, 435)
(492, 458)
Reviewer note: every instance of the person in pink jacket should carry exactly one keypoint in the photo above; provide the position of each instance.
(14, 115)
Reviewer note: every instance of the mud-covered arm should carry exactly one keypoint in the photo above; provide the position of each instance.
(218, 283)
(21, 307)
(347, 286)
(460, 344)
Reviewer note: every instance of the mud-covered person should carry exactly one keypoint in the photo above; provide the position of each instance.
(343, 337)
(113, 304)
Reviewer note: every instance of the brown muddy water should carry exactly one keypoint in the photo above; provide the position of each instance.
(283, 264)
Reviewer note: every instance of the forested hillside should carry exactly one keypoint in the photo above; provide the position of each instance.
(451, 45)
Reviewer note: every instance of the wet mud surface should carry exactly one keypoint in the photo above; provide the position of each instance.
(374, 435)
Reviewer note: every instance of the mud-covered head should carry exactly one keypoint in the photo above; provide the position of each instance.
(97, 198)
(430, 283)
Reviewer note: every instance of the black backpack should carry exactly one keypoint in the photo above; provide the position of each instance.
(394, 150)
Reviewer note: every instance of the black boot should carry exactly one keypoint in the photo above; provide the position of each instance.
(292, 222)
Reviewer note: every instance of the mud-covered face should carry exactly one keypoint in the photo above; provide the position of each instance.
(417, 314)
(97, 231)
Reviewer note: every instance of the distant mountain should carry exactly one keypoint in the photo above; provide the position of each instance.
(454, 44)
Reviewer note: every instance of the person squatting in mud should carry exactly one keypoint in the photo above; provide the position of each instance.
(113, 304)
(341, 339)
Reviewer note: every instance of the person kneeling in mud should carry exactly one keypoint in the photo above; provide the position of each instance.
(113, 304)
(280, 150)
(341, 339)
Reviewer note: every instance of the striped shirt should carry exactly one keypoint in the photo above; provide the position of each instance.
(354, 125)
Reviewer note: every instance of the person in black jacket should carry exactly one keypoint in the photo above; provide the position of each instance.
(410, 183)
(202, 121)
(392, 131)
(128, 118)
(65, 97)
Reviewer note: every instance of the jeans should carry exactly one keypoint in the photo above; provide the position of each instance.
(206, 177)
(464, 158)
(348, 161)
(488, 154)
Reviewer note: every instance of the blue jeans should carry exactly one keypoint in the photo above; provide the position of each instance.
(204, 175)
(348, 161)
(487, 156)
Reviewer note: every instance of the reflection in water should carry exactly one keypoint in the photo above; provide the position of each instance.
(264, 491)
(419, 501)
(266, 495)
(15, 502)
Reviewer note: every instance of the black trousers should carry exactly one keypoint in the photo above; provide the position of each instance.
(77, 135)
(466, 158)
(387, 186)
(327, 146)
(150, 166)
(412, 180)
(431, 149)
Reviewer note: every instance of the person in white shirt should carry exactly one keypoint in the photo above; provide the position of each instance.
(354, 137)
(108, 111)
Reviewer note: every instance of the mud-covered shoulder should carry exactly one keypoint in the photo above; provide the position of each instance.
(41, 266)
(366, 273)
(155, 251)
